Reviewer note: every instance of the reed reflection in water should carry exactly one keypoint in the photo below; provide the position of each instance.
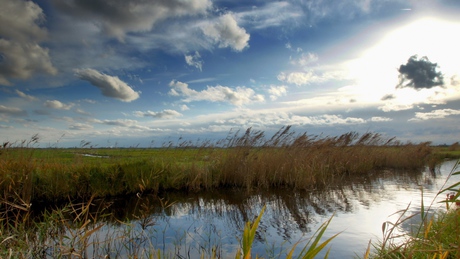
(190, 224)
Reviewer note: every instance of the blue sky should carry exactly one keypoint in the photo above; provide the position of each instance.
(126, 73)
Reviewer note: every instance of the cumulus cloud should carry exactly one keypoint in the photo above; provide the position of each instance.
(165, 114)
(305, 59)
(110, 86)
(226, 32)
(181, 88)
(119, 122)
(55, 104)
(306, 78)
(117, 18)
(29, 98)
(327, 119)
(82, 112)
(194, 60)
(12, 111)
(277, 91)
(22, 56)
(436, 114)
(239, 96)
(80, 126)
(380, 119)
(89, 101)
(419, 74)
(282, 118)
(388, 107)
(27, 27)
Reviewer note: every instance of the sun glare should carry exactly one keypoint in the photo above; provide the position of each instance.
(375, 71)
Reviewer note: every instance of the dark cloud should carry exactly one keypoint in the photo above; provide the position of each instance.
(419, 73)
(11, 111)
(21, 56)
(110, 86)
(387, 97)
(163, 114)
(118, 17)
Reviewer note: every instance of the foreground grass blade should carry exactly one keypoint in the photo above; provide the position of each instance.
(248, 236)
(314, 248)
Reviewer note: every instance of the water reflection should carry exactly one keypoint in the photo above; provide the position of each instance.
(243, 205)
(218, 217)
(193, 223)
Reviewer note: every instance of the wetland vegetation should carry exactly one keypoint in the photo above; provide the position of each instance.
(53, 199)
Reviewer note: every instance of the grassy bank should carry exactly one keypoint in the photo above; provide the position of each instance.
(242, 160)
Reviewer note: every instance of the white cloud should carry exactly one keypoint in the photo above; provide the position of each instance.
(305, 59)
(306, 78)
(272, 14)
(380, 119)
(55, 104)
(19, 42)
(119, 122)
(226, 32)
(326, 119)
(180, 88)
(12, 111)
(89, 101)
(184, 107)
(275, 119)
(117, 18)
(29, 98)
(194, 60)
(277, 91)
(80, 126)
(165, 114)
(388, 107)
(110, 86)
(202, 80)
(82, 112)
(239, 96)
(436, 114)
(346, 9)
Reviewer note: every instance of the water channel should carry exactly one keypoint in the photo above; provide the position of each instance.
(188, 225)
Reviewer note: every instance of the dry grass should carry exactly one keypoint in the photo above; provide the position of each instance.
(247, 160)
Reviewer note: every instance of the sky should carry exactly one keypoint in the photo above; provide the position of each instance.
(141, 73)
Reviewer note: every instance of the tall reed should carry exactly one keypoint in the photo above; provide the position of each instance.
(248, 160)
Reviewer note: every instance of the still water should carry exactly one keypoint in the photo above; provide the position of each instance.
(188, 225)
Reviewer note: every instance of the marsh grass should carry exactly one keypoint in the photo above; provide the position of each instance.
(242, 160)
(249, 160)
